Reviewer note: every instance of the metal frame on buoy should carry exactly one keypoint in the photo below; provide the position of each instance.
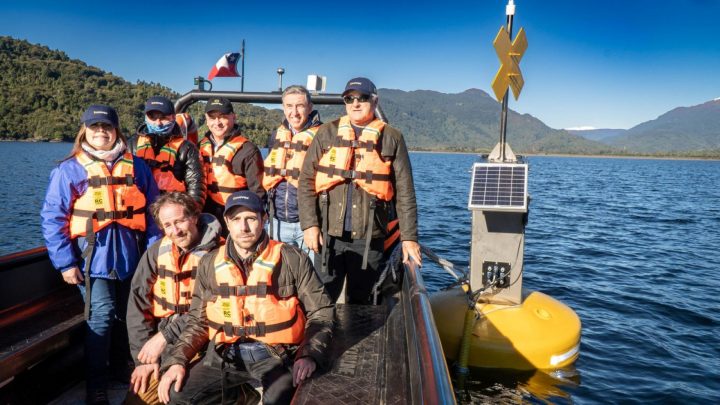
(498, 193)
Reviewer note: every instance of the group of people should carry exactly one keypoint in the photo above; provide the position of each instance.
(193, 257)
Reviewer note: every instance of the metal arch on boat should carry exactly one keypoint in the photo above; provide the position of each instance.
(539, 333)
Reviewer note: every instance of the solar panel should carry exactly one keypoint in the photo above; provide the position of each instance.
(499, 187)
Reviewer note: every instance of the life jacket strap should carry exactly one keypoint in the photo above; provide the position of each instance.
(296, 146)
(355, 144)
(102, 215)
(97, 181)
(272, 171)
(260, 329)
(325, 252)
(164, 272)
(367, 175)
(226, 291)
(168, 306)
(368, 232)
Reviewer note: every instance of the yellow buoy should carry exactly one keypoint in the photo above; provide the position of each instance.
(540, 333)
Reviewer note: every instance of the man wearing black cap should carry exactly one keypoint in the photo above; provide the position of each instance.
(164, 142)
(261, 307)
(231, 161)
(356, 178)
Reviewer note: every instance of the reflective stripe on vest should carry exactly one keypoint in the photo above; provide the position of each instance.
(173, 287)
(285, 159)
(253, 309)
(109, 197)
(369, 171)
(162, 164)
(220, 180)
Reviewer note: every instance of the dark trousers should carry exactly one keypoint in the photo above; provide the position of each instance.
(345, 259)
(204, 383)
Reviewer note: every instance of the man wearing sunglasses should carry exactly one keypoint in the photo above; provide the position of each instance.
(356, 178)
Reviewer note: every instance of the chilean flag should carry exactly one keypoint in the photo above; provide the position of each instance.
(226, 66)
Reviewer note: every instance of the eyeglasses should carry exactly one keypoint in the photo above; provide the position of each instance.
(361, 99)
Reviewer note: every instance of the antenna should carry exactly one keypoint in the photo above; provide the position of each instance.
(280, 72)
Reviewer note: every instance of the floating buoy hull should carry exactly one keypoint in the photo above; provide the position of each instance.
(540, 333)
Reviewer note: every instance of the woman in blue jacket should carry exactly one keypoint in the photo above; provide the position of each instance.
(96, 228)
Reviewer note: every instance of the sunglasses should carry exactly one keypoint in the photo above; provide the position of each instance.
(361, 99)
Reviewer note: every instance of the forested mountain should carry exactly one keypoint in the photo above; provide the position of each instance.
(469, 121)
(693, 129)
(43, 94)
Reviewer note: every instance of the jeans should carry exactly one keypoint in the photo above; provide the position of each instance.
(108, 303)
(290, 233)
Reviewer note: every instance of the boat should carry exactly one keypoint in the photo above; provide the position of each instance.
(394, 352)
(388, 353)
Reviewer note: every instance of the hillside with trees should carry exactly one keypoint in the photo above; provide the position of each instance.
(43, 94)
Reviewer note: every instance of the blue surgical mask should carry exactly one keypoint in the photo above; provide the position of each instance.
(159, 129)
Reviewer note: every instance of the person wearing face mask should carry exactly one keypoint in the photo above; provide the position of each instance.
(95, 227)
(165, 142)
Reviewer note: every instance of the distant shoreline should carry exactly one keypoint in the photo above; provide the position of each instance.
(580, 156)
(713, 158)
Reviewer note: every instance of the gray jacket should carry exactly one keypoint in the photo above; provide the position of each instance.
(141, 324)
(392, 148)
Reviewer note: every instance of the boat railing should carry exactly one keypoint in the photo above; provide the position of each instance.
(189, 98)
(429, 375)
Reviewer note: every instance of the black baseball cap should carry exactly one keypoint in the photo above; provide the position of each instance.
(219, 104)
(159, 103)
(362, 85)
(100, 113)
(244, 198)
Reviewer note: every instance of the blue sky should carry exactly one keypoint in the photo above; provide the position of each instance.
(604, 64)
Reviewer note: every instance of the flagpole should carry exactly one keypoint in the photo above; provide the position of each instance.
(242, 73)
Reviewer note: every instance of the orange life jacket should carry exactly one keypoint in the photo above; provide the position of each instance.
(356, 159)
(163, 163)
(187, 127)
(287, 155)
(221, 181)
(173, 287)
(250, 307)
(109, 197)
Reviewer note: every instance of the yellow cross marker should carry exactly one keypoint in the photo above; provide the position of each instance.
(510, 54)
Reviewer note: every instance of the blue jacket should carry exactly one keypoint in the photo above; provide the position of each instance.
(284, 195)
(118, 248)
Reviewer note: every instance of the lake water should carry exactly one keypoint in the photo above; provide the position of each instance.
(630, 244)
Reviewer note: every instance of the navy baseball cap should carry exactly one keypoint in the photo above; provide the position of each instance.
(100, 113)
(244, 198)
(361, 84)
(219, 104)
(159, 103)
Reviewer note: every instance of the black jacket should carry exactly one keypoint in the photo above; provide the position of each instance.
(392, 147)
(188, 167)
